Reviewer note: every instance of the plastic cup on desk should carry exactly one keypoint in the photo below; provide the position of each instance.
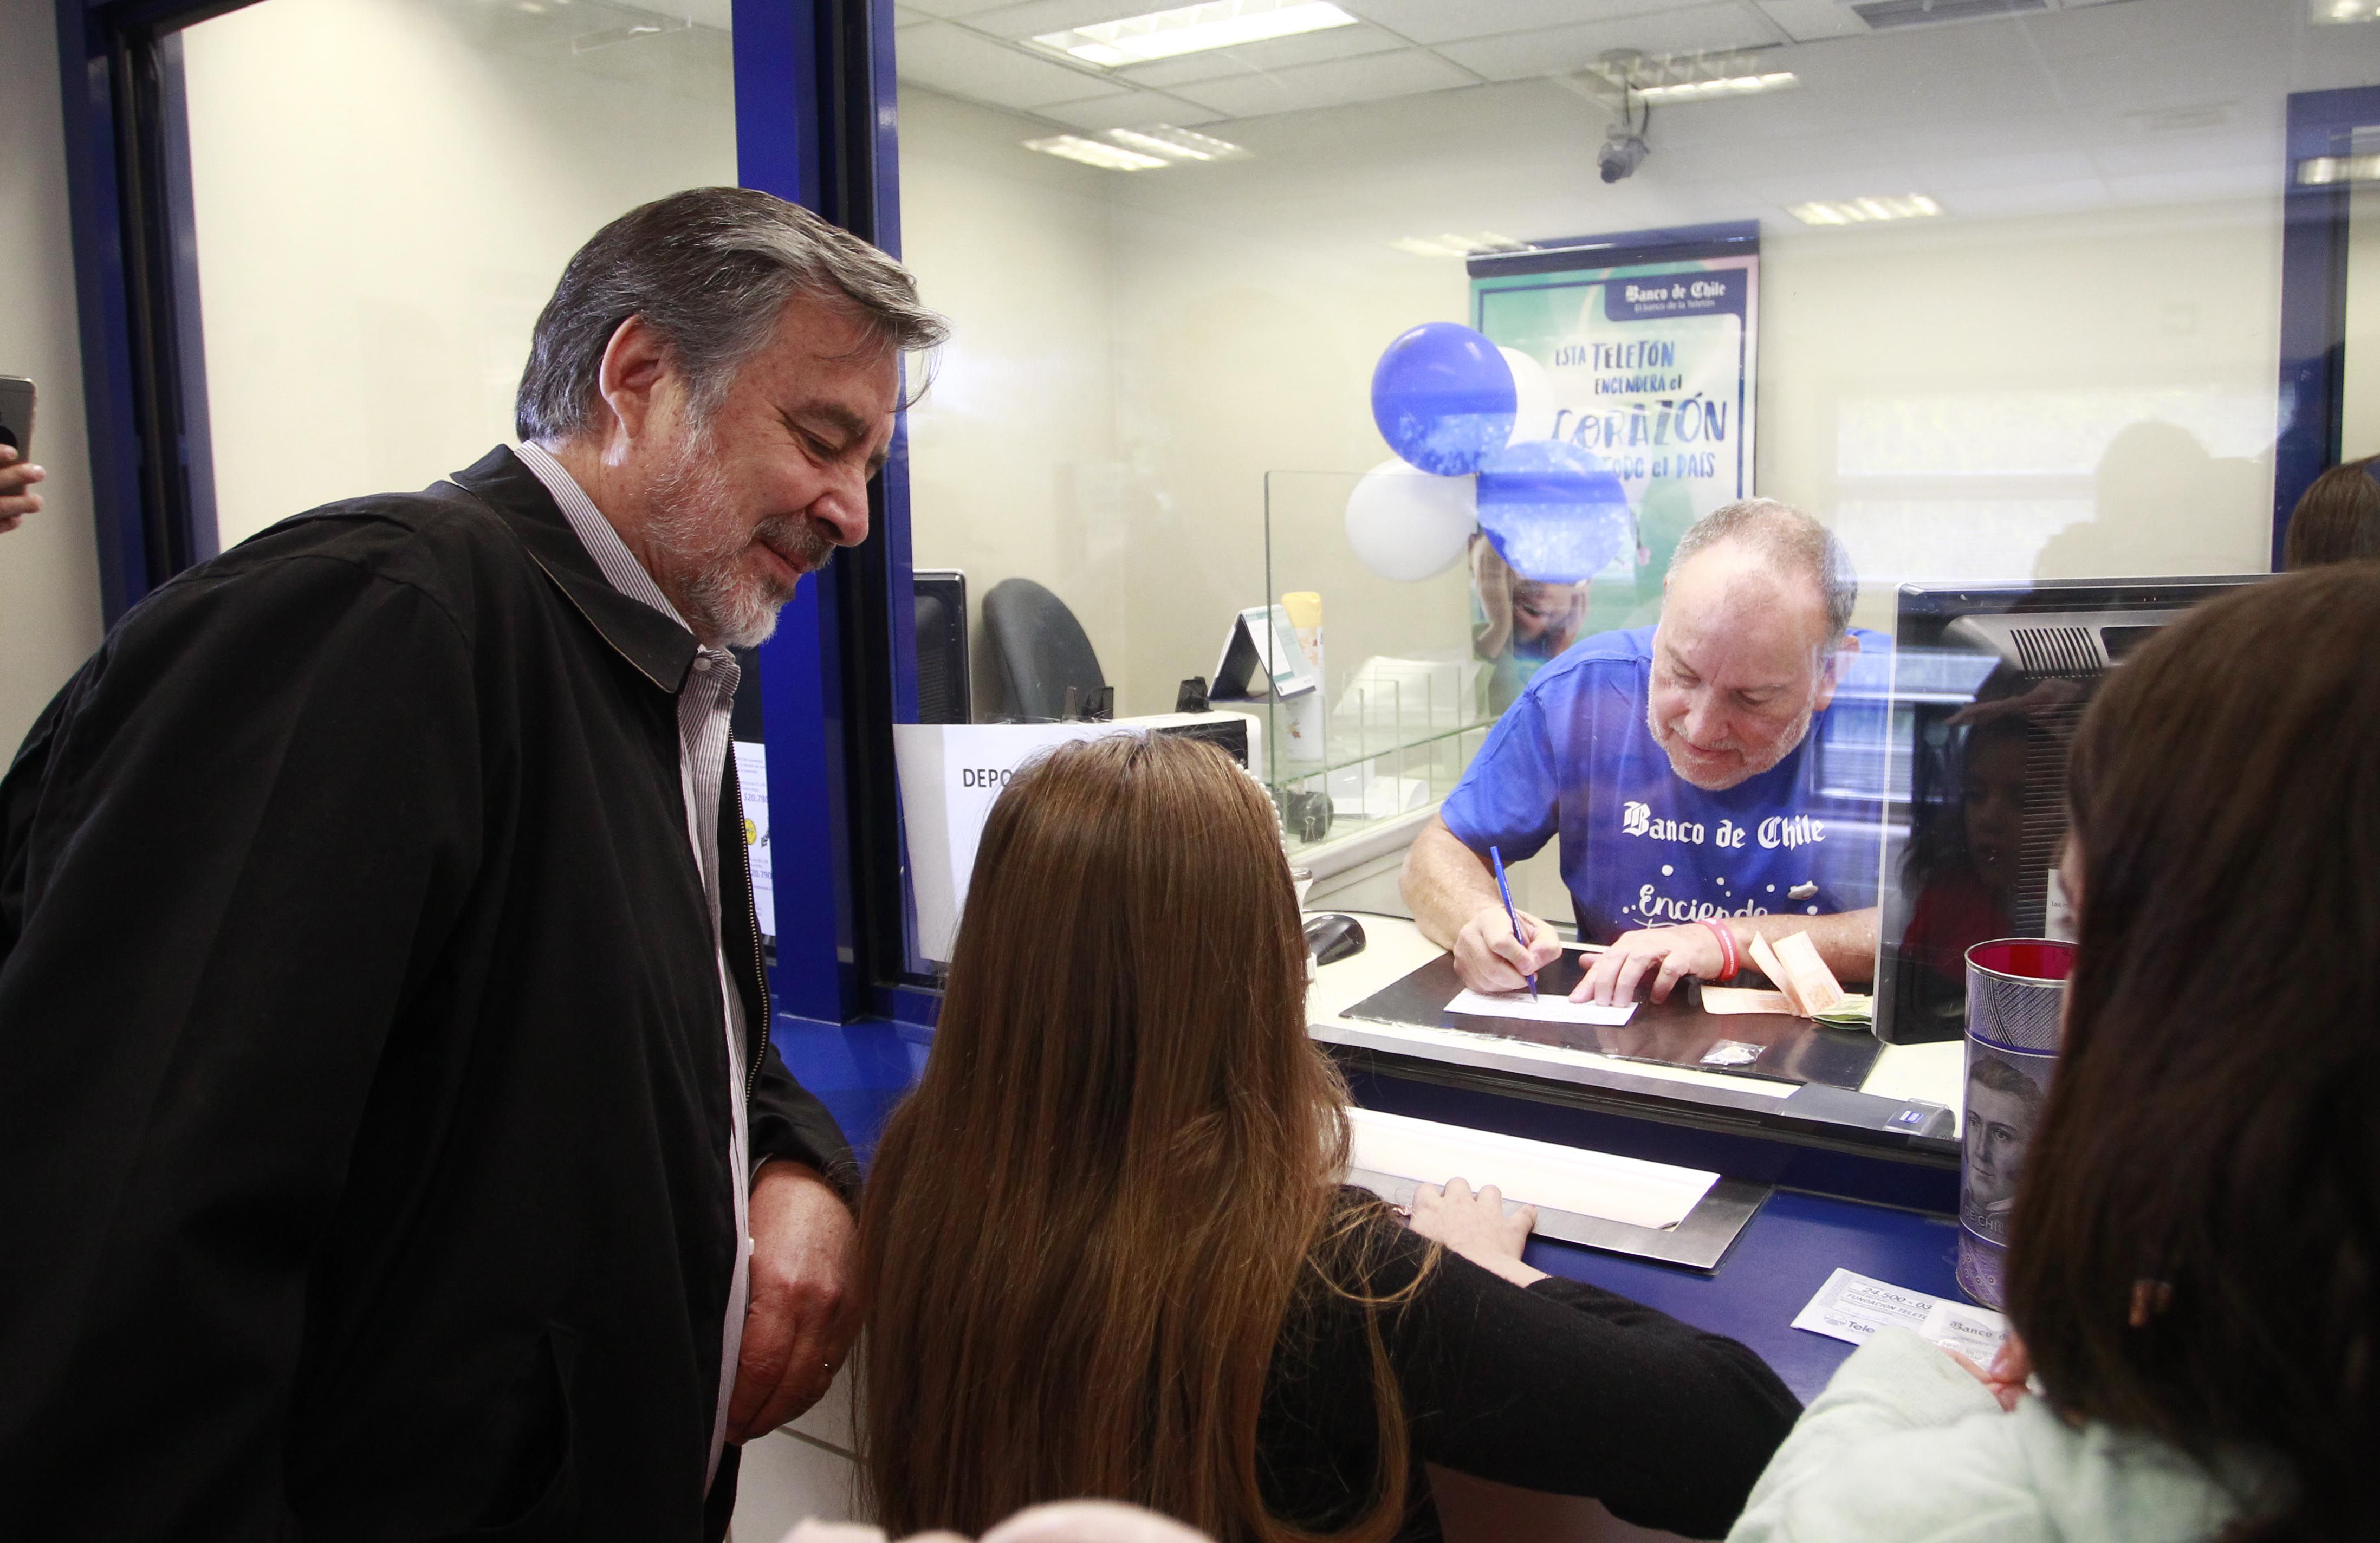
(2016, 1009)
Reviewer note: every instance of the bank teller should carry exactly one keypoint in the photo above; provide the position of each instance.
(1677, 765)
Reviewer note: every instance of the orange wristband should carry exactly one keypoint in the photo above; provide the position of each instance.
(1728, 960)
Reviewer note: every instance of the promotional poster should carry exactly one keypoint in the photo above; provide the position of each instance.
(1652, 365)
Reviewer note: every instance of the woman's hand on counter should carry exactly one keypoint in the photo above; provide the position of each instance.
(1475, 1226)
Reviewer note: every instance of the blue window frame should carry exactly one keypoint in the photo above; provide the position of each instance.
(2313, 292)
(815, 121)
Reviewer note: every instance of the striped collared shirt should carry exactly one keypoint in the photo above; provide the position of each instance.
(704, 710)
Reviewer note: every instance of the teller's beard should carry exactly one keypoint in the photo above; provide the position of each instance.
(693, 529)
(1750, 763)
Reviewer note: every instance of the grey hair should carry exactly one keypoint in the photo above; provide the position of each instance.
(1787, 537)
(710, 269)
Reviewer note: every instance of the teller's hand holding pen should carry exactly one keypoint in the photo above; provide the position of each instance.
(1498, 950)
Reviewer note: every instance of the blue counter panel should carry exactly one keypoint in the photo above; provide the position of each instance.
(860, 1071)
(1775, 1268)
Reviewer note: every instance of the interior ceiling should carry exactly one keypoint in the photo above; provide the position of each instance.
(1452, 116)
(977, 50)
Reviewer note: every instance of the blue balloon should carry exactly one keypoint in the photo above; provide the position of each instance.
(1552, 512)
(1444, 398)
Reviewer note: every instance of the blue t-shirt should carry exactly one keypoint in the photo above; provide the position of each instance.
(1641, 846)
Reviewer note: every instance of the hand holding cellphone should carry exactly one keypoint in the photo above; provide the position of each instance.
(16, 476)
(17, 415)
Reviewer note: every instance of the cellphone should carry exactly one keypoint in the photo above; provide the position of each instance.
(17, 415)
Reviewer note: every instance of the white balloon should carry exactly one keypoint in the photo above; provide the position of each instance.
(1533, 417)
(1407, 524)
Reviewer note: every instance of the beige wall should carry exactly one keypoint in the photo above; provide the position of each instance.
(1014, 466)
(368, 294)
(2091, 394)
(49, 567)
(2360, 394)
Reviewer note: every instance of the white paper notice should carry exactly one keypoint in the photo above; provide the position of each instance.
(951, 774)
(1529, 1173)
(1549, 1008)
(752, 781)
(1853, 1307)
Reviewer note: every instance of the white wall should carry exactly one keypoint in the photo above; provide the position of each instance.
(49, 567)
(375, 244)
(2360, 390)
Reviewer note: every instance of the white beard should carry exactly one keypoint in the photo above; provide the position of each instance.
(694, 526)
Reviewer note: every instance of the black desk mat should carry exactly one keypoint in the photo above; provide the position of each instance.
(1673, 1033)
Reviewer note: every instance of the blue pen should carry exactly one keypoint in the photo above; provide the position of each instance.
(1510, 914)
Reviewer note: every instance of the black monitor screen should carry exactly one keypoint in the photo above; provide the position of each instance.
(1985, 716)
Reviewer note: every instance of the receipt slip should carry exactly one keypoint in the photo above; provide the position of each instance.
(1851, 1306)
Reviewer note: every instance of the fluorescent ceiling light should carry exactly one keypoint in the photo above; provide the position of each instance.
(1452, 245)
(1867, 211)
(2321, 171)
(1730, 85)
(1098, 153)
(1176, 145)
(2336, 12)
(1136, 39)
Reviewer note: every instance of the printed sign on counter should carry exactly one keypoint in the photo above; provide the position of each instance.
(752, 782)
(949, 775)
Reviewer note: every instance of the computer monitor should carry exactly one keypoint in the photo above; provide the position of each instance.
(1989, 684)
(943, 688)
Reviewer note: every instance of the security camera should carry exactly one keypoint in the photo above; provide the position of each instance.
(1622, 153)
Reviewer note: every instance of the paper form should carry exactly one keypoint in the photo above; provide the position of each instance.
(1548, 1008)
(1531, 1173)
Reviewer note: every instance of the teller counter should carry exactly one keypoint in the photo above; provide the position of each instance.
(1864, 1179)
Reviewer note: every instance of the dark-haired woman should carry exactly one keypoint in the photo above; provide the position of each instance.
(2194, 1254)
(1104, 1251)
(2336, 519)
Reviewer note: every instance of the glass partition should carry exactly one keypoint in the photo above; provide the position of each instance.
(1403, 702)
(2008, 312)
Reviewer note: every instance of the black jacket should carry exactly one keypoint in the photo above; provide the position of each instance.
(364, 1115)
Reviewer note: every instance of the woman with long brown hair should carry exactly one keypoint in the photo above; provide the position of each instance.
(1104, 1251)
(2195, 1254)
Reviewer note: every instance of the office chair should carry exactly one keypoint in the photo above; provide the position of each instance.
(1043, 650)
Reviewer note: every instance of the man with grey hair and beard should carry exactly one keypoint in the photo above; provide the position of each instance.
(1677, 765)
(396, 1148)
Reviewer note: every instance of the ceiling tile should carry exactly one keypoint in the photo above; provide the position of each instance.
(1435, 21)
(947, 8)
(951, 58)
(1009, 19)
(1130, 110)
(1371, 78)
(1556, 49)
(1307, 48)
(1809, 20)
